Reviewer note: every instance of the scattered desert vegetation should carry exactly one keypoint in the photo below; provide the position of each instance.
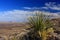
(38, 27)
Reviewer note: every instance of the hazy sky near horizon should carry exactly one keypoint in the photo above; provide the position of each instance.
(17, 10)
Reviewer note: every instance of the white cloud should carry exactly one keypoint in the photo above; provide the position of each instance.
(26, 7)
(20, 15)
(44, 7)
(14, 15)
(52, 5)
(53, 15)
(32, 8)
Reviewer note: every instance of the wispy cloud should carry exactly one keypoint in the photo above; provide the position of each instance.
(52, 5)
(32, 8)
(27, 8)
(48, 7)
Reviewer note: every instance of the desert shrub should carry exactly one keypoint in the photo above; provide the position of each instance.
(41, 24)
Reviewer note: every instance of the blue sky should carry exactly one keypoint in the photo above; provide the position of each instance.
(19, 4)
(13, 10)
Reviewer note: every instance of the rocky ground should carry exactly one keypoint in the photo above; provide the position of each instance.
(8, 31)
(56, 26)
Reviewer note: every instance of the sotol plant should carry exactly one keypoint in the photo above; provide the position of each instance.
(41, 24)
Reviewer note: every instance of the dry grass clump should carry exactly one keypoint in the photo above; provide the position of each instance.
(42, 25)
